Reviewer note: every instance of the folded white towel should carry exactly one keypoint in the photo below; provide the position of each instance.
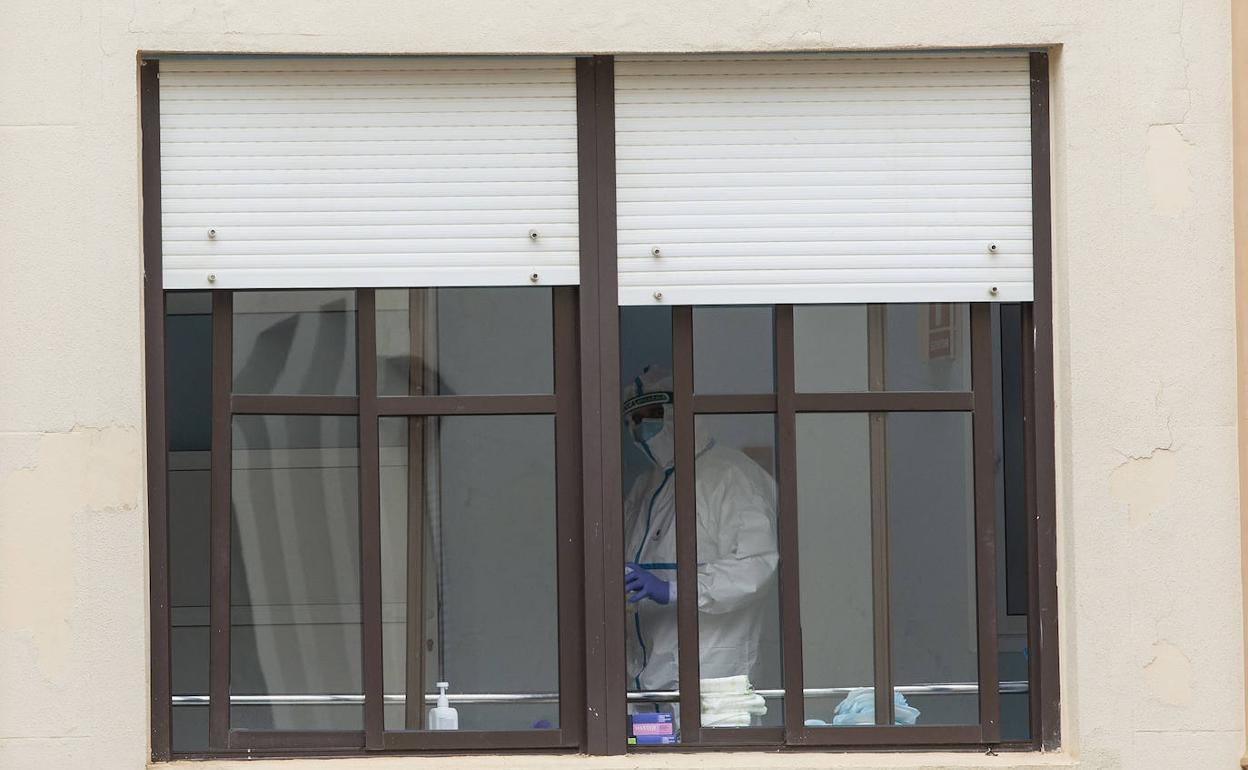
(731, 719)
(726, 684)
(730, 701)
(748, 702)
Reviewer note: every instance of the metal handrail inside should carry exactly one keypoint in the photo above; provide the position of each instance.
(651, 696)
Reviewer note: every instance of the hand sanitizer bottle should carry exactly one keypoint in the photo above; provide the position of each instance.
(442, 716)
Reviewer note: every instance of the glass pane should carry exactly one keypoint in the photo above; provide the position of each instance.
(830, 347)
(738, 601)
(645, 343)
(834, 520)
(925, 346)
(294, 342)
(733, 349)
(465, 341)
(188, 351)
(931, 531)
(295, 570)
(1012, 577)
(483, 491)
(650, 627)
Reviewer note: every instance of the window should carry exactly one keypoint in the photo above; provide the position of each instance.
(871, 462)
(324, 436)
(363, 488)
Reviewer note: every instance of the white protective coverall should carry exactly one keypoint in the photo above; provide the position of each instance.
(737, 557)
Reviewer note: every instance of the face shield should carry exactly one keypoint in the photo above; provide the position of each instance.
(648, 415)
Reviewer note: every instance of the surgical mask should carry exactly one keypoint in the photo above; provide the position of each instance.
(647, 429)
(653, 437)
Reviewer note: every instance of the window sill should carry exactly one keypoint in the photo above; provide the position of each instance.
(756, 760)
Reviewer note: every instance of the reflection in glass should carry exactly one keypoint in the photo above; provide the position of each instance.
(732, 349)
(649, 627)
(931, 532)
(483, 491)
(294, 342)
(925, 347)
(834, 554)
(465, 341)
(295, 569)
(738, 601)
(188, 351)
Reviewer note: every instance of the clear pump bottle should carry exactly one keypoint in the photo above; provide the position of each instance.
(442, 716)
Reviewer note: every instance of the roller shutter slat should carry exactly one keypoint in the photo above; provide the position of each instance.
(824, 178)
(368, 172)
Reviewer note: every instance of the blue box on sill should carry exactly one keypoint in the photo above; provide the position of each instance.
(652, 740)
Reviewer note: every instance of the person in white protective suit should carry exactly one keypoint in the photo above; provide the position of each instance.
(737, 556)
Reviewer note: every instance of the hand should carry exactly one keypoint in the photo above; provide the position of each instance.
(642, 584)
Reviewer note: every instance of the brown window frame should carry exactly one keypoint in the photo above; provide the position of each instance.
(368, 406)
(586, 409)
(877, 402)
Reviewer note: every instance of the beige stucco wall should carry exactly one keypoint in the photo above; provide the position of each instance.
(1149, 526)
(1239, 80)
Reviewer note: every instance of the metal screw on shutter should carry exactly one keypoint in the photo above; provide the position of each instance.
(992, 247)
(212, 278)
(212, 233)
(533, 278)
(658, 296)
(533, 235)
(993, 291)
(654, 252)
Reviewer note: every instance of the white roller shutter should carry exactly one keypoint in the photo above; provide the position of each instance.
(368, 172)
(824, 178)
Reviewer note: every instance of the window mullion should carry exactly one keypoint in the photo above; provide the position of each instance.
(1034, 689)
(985, 522)
(882, 613)
(414, 689)
(1040, 414)
(787, 515)
(370, 519)
(688, 663)
(219, 521)
(571, 569)
(155, 382)
(604, 646)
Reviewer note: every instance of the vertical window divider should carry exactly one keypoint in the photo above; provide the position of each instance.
(220, 521)
(983, 444)
(156, 416)
(1035, 701)
(605, 706)
(1041, 415)
(881, 610)
(414, 684)
(569, 553)
(685, 481)
(370, 518)
(787, 516)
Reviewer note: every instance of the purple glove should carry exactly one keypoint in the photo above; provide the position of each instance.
(642, 584)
